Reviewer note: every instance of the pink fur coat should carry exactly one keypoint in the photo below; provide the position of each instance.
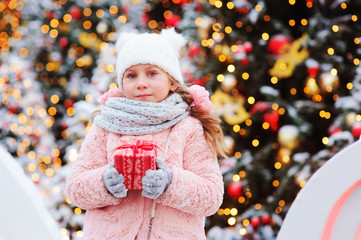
(196, 190)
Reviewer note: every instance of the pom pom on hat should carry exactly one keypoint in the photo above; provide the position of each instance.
(161, 50)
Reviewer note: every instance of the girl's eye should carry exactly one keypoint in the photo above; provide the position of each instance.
(152, 73)
(131, 75)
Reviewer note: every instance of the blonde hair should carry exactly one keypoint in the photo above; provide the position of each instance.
(210, 122)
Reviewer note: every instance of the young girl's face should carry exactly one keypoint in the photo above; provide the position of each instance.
(146, 82)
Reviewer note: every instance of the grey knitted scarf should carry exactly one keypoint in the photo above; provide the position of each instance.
(130, 117)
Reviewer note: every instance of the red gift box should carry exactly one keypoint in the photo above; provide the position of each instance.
(133, 160)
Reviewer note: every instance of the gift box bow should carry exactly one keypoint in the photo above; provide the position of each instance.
(139, 145)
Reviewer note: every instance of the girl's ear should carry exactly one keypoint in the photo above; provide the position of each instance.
(173, 86)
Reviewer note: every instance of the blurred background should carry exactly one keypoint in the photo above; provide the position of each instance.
(284, 76)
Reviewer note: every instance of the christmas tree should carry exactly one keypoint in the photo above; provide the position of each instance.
(284, 77)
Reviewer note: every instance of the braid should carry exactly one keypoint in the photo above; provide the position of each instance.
(210, 122)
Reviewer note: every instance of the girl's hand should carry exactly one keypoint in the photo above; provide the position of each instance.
(114, 182)
(155, 182)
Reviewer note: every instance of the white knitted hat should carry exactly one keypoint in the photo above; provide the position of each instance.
(161, 50)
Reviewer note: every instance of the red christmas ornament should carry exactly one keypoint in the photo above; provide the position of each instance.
(68, 103)
(173, 20)
(51, 15)
(242, 10)
(12, 108)
(278, 43)
(265, 219)
(234, 190)
(356, 131)
(313, 71)
(64, 125)
(194, 50)
(255, 221)
(245, 61)
(272, 118)
(125, 9)
(75, 12)
(145, 18)
(197, 81)
(334, 130)
(248, 47)
(260, 107)
(63, 42)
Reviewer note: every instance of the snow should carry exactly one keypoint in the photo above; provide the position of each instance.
(23, 212)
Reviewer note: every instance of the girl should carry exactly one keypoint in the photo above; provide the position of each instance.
(155, 107)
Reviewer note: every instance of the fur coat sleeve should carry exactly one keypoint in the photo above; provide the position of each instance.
(85, 187)
(197, 187)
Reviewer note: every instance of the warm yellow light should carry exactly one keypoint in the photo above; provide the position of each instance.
(248, 122)
(258, 206)
(54, 99)
(32, 167)
(234, 211)
(292, 22)
(275, 183)
(70, 111)
(87, 12)
(278, 165)
(304, 22)
(236, 178)
(123, 19)
(325, 140)
(330, 51)
(349, 86)
(110, 68)
(100, 13)
(54, 23)
(77, 211)
(303, 183)
(356, 61)
(242, 231)
(335, 28)
(245, 75)
(265, 36)
(218, 4)
(265, 125)
(245, 222)
(236, 128)
(67, 18)
(231, 68)
(232, 221)
(228, 29)
(53, 33)
(222, 58)
(274, 80)
(255, 142)
(87, 24)
(113, 9)
(45, 28)
(251, 100)
(230, 5)
(220, 77)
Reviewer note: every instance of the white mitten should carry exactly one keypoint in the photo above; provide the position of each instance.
(114, 182)
(155, 182)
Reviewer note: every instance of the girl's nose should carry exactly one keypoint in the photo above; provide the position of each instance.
(142, 83)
